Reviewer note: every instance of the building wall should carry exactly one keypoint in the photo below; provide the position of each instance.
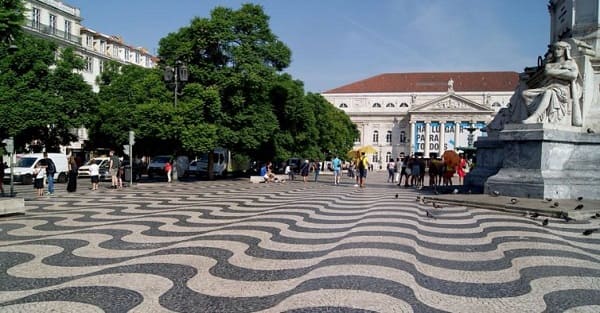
(59, 22)
(376, 115)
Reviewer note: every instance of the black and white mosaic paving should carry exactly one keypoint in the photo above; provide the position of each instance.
(232, 246)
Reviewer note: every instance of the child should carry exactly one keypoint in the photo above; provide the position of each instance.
(39, 173)
(95, 175)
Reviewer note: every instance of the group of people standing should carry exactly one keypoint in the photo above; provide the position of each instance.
(413, 169)
(44, 171)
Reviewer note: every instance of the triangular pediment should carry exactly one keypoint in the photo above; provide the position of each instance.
(451, 103)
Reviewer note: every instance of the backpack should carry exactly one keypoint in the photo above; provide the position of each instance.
(361, 163)
(51, 168)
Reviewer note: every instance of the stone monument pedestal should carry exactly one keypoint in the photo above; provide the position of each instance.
(546, 161)
(490, 154)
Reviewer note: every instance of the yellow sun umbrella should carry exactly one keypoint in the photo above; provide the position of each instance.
(352, 154)
(368, 149)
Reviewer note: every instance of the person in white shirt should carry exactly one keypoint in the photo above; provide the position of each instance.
(95, 175)
(39, 173)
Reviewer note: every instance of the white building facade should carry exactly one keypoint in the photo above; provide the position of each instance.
(422, 113)
(59, 22)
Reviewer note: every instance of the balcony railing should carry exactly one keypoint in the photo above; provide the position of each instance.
(52, 31)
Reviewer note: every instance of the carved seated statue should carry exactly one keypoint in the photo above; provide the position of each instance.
(558, 97)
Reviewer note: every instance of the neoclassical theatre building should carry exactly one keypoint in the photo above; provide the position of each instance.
(422, 113)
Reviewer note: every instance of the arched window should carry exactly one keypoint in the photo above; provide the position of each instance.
(388, 136)
(390, 105)
(388, 157)
(403, 105)
(402, 136)
(377, 105)
(375, 136)
(343, 105)
(496, 105)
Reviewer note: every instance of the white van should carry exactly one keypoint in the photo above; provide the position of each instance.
(200, 167)
(23, 171)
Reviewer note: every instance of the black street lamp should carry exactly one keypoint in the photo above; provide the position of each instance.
(471, 129)
(177, 74)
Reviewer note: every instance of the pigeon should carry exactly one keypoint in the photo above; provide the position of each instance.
(429, 215)
(579, 198)
(593, 216)
(534, 215)
(590, 131)
(555, 205)
(437, 206)
(436, 192)
(470, 191)
(548, 199)
(514, 200)
(565, 216)
(396, 196)
(495, 193)
(545, 222)
(578, 207)
(588, 232)
(455, 191)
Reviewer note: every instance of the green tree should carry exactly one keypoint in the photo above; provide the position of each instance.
(235, 53)
(41, 97)
(12, 16)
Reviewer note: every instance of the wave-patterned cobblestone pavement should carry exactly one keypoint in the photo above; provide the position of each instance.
(231, 246)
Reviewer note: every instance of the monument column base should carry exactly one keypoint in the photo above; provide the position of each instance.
(490, 153)
(541, 161)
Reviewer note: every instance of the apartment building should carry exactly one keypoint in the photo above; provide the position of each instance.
(59, 22)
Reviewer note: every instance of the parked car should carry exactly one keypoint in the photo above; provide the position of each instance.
(156, 167)
(295, 164)
(84, 170)
(23, 171)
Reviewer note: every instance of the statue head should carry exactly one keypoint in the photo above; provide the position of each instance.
(561, 48)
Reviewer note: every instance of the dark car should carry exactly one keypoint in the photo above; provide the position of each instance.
(295, 164)
(157, 165)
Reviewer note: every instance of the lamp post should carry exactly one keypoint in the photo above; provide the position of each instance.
(471, 129)
(177, 74)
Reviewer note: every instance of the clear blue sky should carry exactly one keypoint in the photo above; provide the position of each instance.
(336, 42)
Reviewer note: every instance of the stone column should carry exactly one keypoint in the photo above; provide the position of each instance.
(412, 140)
(427, 132)
(456, 130)
(442, 138)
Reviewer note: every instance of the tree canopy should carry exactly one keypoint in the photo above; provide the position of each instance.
(42, 99)
(237, 95)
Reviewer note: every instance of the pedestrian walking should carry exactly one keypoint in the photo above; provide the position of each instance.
(304, 170)
(94, 175)
(72, 183)
(113, 168)
(363, 165)
(336, 163)
(317, 169)
(39, 173)
(50, 169)
(168, 170)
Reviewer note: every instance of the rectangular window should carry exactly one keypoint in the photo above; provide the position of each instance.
(137, 57)
(101, 66)
(52, 24)
(89, 64)
(102, 46)
(67, 29)
(126, 54)
(88, 41)
(35, 18)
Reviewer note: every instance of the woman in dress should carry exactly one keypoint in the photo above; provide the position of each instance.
(72, 184)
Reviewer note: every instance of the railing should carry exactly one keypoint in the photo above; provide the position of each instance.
(52, 31)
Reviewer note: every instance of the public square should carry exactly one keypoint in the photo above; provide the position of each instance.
(233, 246)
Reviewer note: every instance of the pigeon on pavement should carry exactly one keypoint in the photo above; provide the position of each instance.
(590, 131)
(455, 191)
(429, 215)
(548, 199)
(588, 232)
(396, 196)
(534, 215)
(495, 193)
(545, 222)
(578, 207)
(565, 216)
(579, 198)
(514, 200)
(555, 205)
